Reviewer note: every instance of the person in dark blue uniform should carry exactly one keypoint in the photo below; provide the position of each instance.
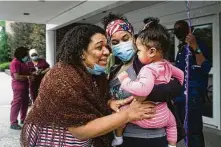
(199, 68)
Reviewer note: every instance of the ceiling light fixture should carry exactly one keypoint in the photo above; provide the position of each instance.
(26, 13)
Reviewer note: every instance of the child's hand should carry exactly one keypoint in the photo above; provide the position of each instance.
(122, 76)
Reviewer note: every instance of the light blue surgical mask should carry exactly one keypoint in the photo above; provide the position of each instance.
(34, 58)
(97, 70)
(124, 51)
(25, 59)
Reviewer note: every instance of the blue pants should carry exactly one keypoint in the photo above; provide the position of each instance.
(195, 123)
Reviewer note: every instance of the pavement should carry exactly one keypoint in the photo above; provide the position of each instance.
(10, 138)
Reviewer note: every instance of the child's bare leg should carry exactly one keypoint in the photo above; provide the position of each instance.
(118, 139)
(119, 132)
(171, 144)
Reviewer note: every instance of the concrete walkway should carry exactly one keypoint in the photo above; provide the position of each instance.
(5, 89)
(8, 137)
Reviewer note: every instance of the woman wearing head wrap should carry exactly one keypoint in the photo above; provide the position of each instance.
(121, 37)
(39, 67)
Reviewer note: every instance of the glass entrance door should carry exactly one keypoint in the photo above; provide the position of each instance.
(207, 30)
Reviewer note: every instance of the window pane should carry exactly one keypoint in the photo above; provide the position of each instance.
(205, 34)
(170, 55)
(208, 105)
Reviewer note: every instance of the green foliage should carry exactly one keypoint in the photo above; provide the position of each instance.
(4, 66)
(27, 35)
(38, 38)
(2, 23)
(4, 53)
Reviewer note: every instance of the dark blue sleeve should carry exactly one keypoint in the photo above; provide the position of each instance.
(206, 65)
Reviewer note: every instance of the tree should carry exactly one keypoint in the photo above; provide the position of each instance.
(38, 38)
(27, 35)
(4, 53)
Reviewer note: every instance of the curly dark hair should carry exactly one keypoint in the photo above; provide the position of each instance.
(149, 19)
(111, 17)
(75, 42)
(21, 52)
(156, 34)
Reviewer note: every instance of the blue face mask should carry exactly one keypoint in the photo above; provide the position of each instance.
(25, 59)
(97, 70)
(34, 58)
(124, 51)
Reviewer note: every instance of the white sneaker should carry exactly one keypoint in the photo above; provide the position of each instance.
(171, 145)
(117, 141)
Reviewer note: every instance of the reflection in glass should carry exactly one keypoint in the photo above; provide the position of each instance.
(208, 105)
(205, 34)
(170, 55)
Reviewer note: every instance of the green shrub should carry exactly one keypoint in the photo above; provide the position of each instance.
(4, 66)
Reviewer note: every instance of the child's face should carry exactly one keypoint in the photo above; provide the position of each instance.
(146, 55)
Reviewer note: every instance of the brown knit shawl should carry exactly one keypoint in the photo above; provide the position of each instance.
(69, 97)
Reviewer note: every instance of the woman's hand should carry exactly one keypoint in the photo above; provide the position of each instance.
(116, 104)
(140, 110)
(100, 126)
(191, 40)
(39, 72)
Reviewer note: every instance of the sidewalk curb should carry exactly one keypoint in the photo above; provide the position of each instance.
(7, 71)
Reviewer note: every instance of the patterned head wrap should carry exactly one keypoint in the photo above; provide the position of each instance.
(119, 25)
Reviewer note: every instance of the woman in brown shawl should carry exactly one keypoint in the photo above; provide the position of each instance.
(71, 108)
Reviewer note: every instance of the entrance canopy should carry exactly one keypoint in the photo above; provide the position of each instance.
(60, 13)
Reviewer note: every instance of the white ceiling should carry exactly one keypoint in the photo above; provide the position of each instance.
(40, 12)
(120, 9)
(61, 13)
(94, 11)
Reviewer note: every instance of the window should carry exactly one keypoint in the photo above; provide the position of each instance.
(170, 55)
(204, 33)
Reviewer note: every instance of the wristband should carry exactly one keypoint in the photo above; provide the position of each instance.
(198, 51)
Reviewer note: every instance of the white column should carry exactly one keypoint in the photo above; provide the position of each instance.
(50, 47)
